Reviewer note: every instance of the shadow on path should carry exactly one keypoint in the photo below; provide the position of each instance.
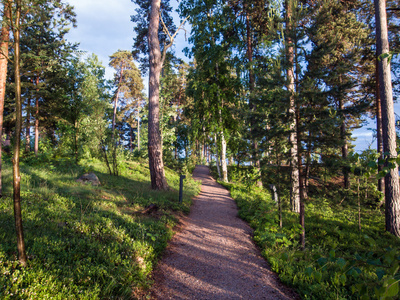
(214, 257)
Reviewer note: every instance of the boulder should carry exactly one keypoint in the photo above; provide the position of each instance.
(89, 178)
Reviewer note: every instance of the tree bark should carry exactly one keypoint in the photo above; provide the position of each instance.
(116, 103)
(5, 37)
(217, 156)
(392, 191)
(28, 127)
(294, 173)
(379, 133)
(223, 158)
(345, 150)
(252, 104)
(36, 147)
(17, 143)
(156, 164)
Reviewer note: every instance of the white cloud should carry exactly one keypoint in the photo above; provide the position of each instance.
(105, 26)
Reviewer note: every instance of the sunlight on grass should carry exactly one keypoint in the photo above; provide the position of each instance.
(86, 242)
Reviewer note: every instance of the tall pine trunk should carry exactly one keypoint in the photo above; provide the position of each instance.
(5, 37)
(392, 191)
(156, 164)
(17, 143)
(379, 133)
(294, 170)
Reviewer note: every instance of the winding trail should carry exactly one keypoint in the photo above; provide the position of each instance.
(213, 257)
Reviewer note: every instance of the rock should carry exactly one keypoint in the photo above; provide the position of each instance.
(89, 178)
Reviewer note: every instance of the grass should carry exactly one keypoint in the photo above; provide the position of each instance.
(86, 242)
(340, 261)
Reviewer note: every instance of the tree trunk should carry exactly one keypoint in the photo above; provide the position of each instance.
(37, 124)
(116, 103)
(223, 158)
(217, 157)
(252, 104)
(345, 150)
(138, 130)
(294, 173)
(28, 127)
(381, 181)
(5, 37)
(156, 164)
(392, 192)
(17, 143)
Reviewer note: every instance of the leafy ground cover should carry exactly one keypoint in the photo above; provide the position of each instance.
(340, 261)
(86, 242)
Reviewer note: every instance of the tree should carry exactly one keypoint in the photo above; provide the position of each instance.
(149, 29)
(156, 164)
(4, 44)
(15, 18)
(392, 189)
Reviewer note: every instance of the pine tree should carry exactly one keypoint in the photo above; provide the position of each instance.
(392, 190)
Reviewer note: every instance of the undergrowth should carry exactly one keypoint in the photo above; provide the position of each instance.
(339, 262)
(86, 242)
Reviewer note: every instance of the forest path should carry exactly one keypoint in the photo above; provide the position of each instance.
(214, 257)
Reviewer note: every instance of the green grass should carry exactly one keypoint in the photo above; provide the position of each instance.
(86, 242)
(339, 262)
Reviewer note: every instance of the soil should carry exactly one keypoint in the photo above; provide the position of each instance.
(213, 256)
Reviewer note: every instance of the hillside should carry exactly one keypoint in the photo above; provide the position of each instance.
(82, 241)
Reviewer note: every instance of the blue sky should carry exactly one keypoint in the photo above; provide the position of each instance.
(104, 27)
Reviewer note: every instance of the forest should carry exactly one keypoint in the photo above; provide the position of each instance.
(269, 99)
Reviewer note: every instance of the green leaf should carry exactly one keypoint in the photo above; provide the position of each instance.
(322, 261)
(343, 279)
(341, 263)
(392, 288)
(380, 273)
(317, 276)
(308, 271)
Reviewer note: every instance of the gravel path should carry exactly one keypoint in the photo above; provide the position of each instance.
(213, 257)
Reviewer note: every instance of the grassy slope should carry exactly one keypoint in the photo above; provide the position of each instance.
(86, 242)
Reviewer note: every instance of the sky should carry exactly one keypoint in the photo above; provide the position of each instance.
(104, 27)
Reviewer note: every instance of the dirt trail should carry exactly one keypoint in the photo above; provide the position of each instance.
(213, 257)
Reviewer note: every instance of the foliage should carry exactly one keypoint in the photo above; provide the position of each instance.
(86, 242)
(339, 262)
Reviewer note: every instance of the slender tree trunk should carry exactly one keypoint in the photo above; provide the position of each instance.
(138, 130)
(381, 181)
(294, 173)
(28, 127)
(392, 191)
(17, 143)
(217, 156)
(252, 104)
(5, 37)
(116, 104)
(345, 150)
(223, 158)
(156, 164)
(36, 147)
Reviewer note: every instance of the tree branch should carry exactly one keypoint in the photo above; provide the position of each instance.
(171, 37)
